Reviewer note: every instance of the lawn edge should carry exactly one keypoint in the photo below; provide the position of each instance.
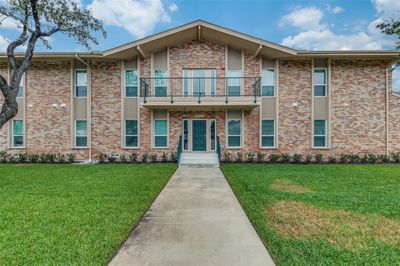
(251, 222)
(141, 218)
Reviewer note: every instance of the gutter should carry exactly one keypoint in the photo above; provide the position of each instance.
(89, 108)
(387, 109)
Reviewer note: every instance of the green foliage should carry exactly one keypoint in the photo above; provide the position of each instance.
(273, 157)
(102, 157)
(174, 157)
(354, 158)
(250, 156)
(112, 158)
(164, 157)
(260, 156)
(145, 157)
(344, 158)
(372, 158)
(308, 158)
(133, 157)
(396, 157)
(297, 157)
(285, 157)
(71, 157)
(227, 157)
(153, 157)
(332, 159)
(123, 158)
(319, 158)
(383, 158)
(239, 157)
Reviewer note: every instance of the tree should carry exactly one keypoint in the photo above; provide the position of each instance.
(38, 20)
(391, 27)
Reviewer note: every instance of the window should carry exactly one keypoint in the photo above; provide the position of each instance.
(185, 135)
(213, 79)
(268, 133)
(18, 133)
(160, 133)
(268, 82)
(320, 82)
(81, 133)
(199, 82)
(81, 83)
(131, 133)
(234, 129)
(185, 82)
(160, 83)
(21, 88)
(234, 80)
(131, 83)
(320, 133)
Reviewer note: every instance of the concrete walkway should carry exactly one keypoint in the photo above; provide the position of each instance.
(196, 220)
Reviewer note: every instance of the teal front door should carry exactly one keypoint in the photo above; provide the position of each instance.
(199, 128)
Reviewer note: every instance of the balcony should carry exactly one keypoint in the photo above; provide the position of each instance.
(200, 93)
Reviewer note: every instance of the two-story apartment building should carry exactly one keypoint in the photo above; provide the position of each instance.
(208, 86)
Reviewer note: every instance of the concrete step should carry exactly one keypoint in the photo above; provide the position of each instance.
(199, 159)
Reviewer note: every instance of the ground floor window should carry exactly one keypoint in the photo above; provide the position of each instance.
(185, 135)
(268, 133)
(18, 133)
(160, 133)
(234, 129)
(81, 133)
(213, 134)
(320, 133)
(131, 133)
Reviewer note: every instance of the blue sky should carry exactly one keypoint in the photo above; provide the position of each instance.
(312, 25)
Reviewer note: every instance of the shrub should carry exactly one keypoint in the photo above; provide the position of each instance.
(61, 158)
(344, 158)
(153, 157)
(102, 157)
(164, 157)
(112, 158)
(145, 157)
(251, 156)
(51, 158)
(43, 158)
(227, 157)
(260, 156)
(133, 157)
(71, 157)
(11, 158)
(273, 157)
(332, 159)
(308, 158)
(3, 156)
(297, 157)
(21, 157)
(319, 158)
(383, 158)
(396, 157)
(123, 158)
(239, 157)
(174, 157)
(285, 157)
(371, 158)
(34, 158)
(364, 159)
(354, 158)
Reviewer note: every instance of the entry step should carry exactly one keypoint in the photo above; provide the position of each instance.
(199, 159)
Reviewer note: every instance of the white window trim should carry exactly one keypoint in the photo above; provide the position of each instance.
(137, 83)
(241, 131)
(137, 134)
(325, 84)
(13, 135)
(325, 135)
(273, 84)
(153, 131)
(75, 83)
(76, 135)
(274, 135)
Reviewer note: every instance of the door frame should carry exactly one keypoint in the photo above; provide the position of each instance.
(190, 134)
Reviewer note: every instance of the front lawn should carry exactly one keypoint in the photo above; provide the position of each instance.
(72, 214)
(322, 214)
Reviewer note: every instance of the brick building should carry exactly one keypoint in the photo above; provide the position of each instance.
(207, 86)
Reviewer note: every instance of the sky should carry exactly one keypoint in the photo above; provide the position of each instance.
(309, 25)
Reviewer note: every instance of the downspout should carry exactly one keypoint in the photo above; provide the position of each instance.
(89, 109)
(387, 109)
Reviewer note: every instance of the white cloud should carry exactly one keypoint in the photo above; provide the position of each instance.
(3, 44)
(308, 18)
(8, 23)
(337, 10)
(387, 8)
(138, 17)
(396, 80)
(317, 35)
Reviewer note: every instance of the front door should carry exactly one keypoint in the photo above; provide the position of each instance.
(199, 136)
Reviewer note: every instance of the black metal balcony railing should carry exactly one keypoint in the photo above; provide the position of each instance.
(200, 87)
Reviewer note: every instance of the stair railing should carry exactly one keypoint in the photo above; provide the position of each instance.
(179, 150)
(218, 149)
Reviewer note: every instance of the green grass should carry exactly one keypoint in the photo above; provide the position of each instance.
(354, 200)
(72, 214)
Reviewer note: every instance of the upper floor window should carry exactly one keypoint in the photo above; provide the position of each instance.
(21, 89)
(160, 83)
(320, 81)
(131, 83)
(17, 133)
(268, 82)
(234, 82)
(320, 133)
(81, 133)
(131, 133)
(199, 82)
(80, 83)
